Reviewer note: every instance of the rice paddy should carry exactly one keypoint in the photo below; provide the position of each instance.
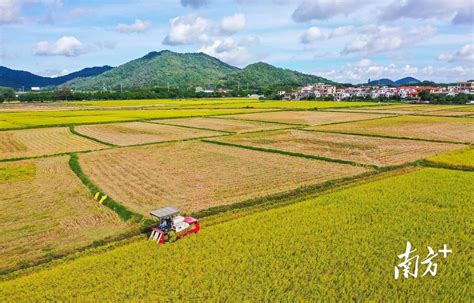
(46, 211)
(41, 142)
(194, 176)
(365, 150)
(429, 128)
(133, 133)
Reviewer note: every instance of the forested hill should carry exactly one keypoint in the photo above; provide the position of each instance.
(191, 69)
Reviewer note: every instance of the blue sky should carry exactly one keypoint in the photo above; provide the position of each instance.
(343, 40)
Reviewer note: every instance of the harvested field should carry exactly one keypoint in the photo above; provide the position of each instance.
(228, 125)
(39, 142)
(197, 175)
(432, 128)
(366, 150)
(306, 117)
(46, 210)
(132, 133)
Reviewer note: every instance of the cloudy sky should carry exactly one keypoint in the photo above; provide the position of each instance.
(343, 40)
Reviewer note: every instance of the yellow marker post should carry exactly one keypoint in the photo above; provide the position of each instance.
(103, 199)
(96, 196)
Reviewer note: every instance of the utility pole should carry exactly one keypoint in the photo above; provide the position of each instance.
(121, 88)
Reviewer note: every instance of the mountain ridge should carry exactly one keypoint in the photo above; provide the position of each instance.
(402, 81)
(19, 78)
(165, 68)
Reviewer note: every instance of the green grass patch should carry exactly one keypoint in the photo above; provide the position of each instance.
(16, 172)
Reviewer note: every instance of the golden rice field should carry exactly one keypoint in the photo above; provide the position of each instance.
(47, 211)
(40, 142)
(431, 128)
(341, 246)
(133, 133)
(55, 118)
(221, 102)
(227, 125)
(463, 158)
(305, 117)
(193, 176)
(366, 150)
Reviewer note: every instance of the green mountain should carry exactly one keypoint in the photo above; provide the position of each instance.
(160, 68)
(188, 70)
(263, 74)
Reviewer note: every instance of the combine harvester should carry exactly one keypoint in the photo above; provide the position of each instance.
(172, 226)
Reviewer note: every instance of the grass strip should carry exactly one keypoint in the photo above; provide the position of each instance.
(383, 136)
(74, 132)
(292, 154)
(123, 212)
(429, 163)
(192, 127)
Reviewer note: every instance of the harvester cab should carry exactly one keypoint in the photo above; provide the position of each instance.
(171, 225)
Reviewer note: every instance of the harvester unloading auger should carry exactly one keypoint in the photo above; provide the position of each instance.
(172, 226)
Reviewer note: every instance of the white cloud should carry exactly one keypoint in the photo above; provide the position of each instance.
(233, 24)
(187, 30)
(427, 9)
(228, 51)
(66, 46)
(341, 31)
(139, 26)
(361, 71)
(251, 40)
(466, 53)
(379, 39)
(325, 9)
(194, 3)
(54, 72)
(9, 11)
(311, 35)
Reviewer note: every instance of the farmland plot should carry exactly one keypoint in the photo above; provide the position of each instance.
(39, 142)
(306, 117)
(463, 158)
(46, 210)
(132, 133)
(341, 246)
(432, 128)
(228, 125)
(197, 175)
(367, 150)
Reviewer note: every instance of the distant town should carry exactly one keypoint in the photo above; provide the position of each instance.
(320, 90)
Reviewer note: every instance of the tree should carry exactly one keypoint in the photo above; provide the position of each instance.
(64, 93)
(6, 93)
(424, 95)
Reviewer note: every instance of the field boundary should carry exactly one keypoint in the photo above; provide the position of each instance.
(428, 163)
(192, 127)
(383, 136)
(75, 132)
(123, 212)
(288, 153)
